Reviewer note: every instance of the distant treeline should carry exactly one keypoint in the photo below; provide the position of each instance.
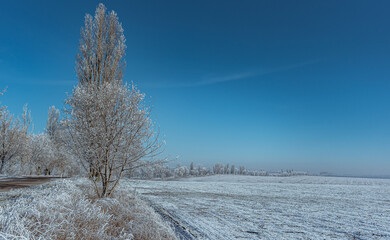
(162, 171)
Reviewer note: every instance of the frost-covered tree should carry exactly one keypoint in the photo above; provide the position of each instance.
(226, 169)
(241, 170)
(160, 170)
(14, 140)
(102, 49)
(42, 155)
(64, 161)
(181, 171)
(53, 123)
(24, 140)
(110, 131)
(108, 121)
(202, 171)
(233, 169)
(218, 168)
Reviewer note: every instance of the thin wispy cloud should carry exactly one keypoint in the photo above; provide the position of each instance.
(228, 78)
(234, 77)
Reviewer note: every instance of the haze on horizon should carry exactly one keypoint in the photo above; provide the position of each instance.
(268, 85)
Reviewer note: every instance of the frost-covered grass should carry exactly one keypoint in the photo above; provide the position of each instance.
(66, 209)
(301, 207)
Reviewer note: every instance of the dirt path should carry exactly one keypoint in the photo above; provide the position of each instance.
(7, 184)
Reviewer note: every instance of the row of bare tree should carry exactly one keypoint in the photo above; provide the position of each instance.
(161, 170)
(25, 153)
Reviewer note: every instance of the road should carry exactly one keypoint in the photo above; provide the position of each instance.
(7, 184)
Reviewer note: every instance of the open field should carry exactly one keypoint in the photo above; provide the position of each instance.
(245, 207)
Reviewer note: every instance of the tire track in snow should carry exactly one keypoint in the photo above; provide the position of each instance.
(182, 230)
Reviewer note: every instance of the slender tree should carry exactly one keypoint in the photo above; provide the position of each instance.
(102, 49)
(108, 121)
(53, 122)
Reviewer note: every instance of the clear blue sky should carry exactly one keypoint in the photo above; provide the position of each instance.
(271, 85)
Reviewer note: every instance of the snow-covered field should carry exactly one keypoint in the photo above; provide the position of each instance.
(302, 207)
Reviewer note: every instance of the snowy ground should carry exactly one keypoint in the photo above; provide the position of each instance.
(302, 207)
(68, 209)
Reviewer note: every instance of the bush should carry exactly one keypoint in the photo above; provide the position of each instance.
(68, 209)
